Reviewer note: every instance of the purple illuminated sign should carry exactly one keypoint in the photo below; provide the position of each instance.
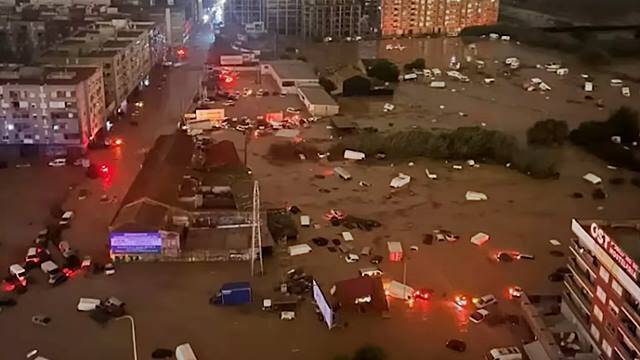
(135, 243)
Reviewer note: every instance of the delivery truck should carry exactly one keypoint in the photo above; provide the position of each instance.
(237, 293)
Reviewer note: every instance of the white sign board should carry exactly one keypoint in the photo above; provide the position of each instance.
(231, 60)
(210, 114)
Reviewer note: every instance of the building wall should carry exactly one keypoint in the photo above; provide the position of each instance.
(334, 18)
(603, 297)
(284, 16)
(51, 114)
(415, 17)
(244, 11)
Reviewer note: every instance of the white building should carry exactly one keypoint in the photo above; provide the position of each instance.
(317, 101)
(290, 74)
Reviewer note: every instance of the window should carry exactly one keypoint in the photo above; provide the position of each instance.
(600, 294)
(604, 274)
(597, 312)
(288, 83)
(595, 332)
(606, 348)
(616, 287)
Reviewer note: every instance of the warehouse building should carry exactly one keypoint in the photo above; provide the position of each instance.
(289, 74)
(317, 101)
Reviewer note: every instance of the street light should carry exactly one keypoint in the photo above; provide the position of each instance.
(133, 334)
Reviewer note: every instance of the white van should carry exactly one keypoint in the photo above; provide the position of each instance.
(370, 271)
(505, 353)
(438, 84)
(342, 173)
(185, 352)
(19, 272)
(436, 72)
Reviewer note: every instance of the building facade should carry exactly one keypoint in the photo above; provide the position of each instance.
(284, 17)
(332, 18)
(418, 17)
(244, 11)
(602, 292)
(51, 107)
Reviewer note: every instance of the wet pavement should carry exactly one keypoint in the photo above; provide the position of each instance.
(169, 300)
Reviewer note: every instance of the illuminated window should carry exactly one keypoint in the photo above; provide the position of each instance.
(595, 332)
(606, 347)
(604, 274)
(616, 287)
(597, 312)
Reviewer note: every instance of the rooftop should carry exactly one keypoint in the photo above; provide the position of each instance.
(292, 69)
(46, 75)
(167, 177)
(316, 95)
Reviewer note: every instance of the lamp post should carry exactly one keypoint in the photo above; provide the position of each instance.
(133, 334)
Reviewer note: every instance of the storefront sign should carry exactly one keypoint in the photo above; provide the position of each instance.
(135, 243)
(616, 253)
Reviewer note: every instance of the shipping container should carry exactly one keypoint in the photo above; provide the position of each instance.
(237, 293)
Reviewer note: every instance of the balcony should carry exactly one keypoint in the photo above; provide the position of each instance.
(577, 310)
(627, 329)
(582, 277)
(631, 313)
(622, 349)
(588, 260)
(584, 302)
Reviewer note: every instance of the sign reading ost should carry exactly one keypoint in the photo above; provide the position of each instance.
(616, 253)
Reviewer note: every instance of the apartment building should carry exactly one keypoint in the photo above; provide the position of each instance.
(123, 55)
(418, 17)
(334, 18)
(602, 291)
(49, 108)
(107, 60)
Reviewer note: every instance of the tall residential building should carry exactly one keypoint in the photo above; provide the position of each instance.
(334, 18)
(51, 107)
(602, 289)
(416, 17)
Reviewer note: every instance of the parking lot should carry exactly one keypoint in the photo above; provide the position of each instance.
(169, 301)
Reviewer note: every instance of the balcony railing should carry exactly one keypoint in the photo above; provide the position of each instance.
(585, 303)
(582, 277)
(624, 328)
